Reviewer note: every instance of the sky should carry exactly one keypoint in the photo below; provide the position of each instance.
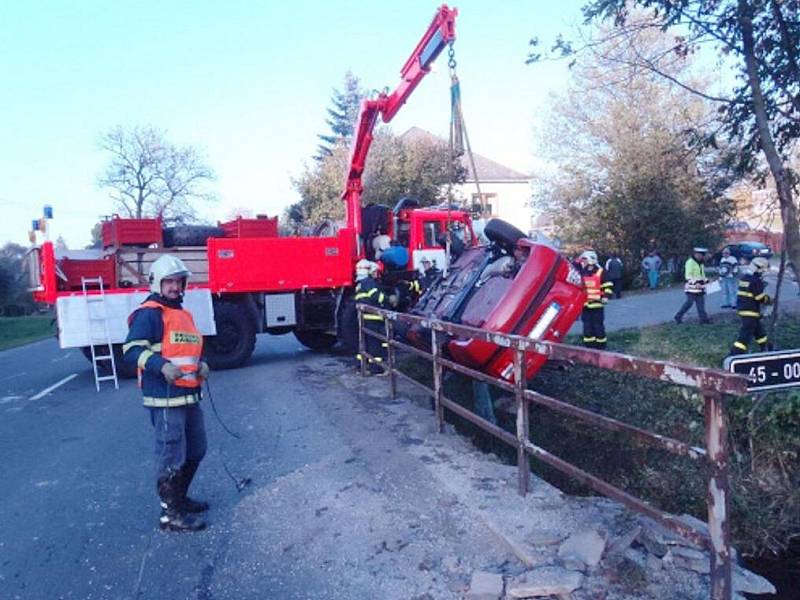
(248, 83)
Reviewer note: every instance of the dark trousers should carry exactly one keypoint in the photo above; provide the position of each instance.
(617, 283)
(594, 329)
(180, 438)
(751, 328)
(700, 301)
(374, 347)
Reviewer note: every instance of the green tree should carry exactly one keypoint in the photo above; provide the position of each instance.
(626, 179)
(395, 168)
(147, 175)
(14, 297)
(342, 116)
(759, 40)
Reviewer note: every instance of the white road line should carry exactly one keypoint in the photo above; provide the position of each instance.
(54, 386)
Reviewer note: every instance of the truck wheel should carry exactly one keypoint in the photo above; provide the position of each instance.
(190, 235)
(503, 234)
(124, 370)
(315, 340)
(235, 339)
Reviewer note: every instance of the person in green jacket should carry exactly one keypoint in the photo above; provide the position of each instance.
(695, 287)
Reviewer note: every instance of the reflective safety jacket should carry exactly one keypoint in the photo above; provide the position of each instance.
(751, 296)
(597, 286)
(162, 331)
(369, 292)
(695, 275)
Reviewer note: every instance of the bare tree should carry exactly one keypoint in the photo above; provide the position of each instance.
(148, 176)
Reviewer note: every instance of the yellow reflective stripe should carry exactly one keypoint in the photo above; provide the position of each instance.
(368, 317)
(366, 294)
(156, 347)
(748, 313)
(761, 340)
(602, 339)
(607, 284)
(143, 358)
(740, 345)
(589, 339)
(594, 305)
(167, 402)
(381, 298)
(761, 297)
(745, 294)
(133, 344)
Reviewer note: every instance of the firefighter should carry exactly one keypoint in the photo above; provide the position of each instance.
(165, 345)
(598, 291)
(749, 299)
(695, 287)
(429, 273)
(368, 291)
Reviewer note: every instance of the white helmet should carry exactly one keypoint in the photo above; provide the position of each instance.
(166, 266)
(760, 264)
(590, 256)
(365, 268)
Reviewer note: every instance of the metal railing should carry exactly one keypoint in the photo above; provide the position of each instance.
(713, 384)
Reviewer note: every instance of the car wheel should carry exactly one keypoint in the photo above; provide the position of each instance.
(235, 340)
(190, 235)
(503, 234)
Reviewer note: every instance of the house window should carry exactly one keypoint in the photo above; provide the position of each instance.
(484, 205)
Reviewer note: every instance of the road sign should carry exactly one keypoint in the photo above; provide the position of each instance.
(767, 370)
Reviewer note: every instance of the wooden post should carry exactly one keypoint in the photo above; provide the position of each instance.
(718, 496)
(436, 352)
(523, 429)
(390, 357)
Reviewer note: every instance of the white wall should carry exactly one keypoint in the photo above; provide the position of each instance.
(511, 202)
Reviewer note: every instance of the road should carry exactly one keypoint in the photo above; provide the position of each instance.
(333, 495)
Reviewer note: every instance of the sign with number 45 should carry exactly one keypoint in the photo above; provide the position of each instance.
(767, 370)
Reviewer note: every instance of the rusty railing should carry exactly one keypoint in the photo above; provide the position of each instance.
(713, 384)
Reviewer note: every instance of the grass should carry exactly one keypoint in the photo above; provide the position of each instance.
(17, 331)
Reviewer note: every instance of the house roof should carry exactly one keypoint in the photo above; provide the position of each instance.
(488, 170)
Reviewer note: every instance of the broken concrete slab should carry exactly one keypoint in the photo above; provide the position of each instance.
(750, 583)
(485, 586)
(545, 581)
(586, 546)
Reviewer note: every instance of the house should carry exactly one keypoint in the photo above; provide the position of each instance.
(505, 193)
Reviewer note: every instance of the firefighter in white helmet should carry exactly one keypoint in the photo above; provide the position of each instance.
(598, 291)
(750, 297)
(369, 291)
(166, 346)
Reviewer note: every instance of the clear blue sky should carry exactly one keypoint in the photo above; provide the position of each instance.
(246, 81)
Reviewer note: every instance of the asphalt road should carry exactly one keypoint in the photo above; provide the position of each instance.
(333, 495)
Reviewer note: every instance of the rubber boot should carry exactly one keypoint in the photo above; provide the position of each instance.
(173, 518)
(188, 504)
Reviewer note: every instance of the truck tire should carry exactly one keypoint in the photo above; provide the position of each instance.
(235, 340)
(503, 234)
(190, 235)
(124, 370)
(318, 341)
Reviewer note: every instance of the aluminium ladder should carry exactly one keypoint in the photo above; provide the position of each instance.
(99, 338)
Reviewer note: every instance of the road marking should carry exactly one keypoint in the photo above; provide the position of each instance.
(54, 386)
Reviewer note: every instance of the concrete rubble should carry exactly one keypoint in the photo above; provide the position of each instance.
(582, 548)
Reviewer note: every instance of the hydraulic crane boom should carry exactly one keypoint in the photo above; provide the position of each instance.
(440, 33)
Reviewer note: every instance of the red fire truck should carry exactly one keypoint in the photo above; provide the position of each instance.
(246, 279)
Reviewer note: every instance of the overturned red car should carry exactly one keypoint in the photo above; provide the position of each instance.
(511, 285)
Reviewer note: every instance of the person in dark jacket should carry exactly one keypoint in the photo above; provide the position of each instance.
(369, 291)
(749, 300)
(614, 274)
(166, 346)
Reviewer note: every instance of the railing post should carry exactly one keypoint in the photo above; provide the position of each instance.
(362, 346)
(390, 357)
(436, 353)
(718, 496)
(523, 464)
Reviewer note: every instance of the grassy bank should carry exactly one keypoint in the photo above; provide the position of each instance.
(764, 432)
(16, 331)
